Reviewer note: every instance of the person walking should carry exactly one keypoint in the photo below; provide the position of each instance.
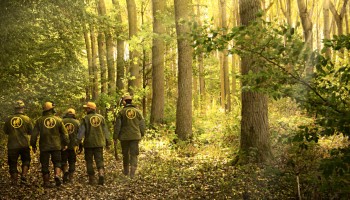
(69, 156)
(53, 137)
(129, 128)
(94, 130)
(18, 127)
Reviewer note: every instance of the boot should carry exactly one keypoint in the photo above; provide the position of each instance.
(92, 180)
(24, 174)
(66, 177)
(71, 177)
(132, 171)
(101, 178)
(46, 180)
(126, 169)
(14, 177)
(57, 176)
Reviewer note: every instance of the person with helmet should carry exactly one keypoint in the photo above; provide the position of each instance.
(53, 137)
(69, 156)
(18, 127)
(129, 128)
(93, 129)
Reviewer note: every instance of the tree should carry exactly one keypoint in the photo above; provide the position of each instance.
(158, 50)
(306, 22)
(101, 41)
(95, 85)
(120, 47)
(134, 82)
(225, 82)
(254, 124)
(184, 102)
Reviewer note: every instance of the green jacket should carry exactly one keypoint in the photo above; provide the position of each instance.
(53, 134)
(94, 130)
(72, 126)
(18, 127)
(129, 124)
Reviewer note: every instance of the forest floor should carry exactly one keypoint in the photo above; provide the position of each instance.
(158, 177)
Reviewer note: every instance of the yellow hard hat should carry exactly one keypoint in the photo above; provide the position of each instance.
(19, 104)
(90, 105)
(71, 111)
(127, 97)
(48, 106)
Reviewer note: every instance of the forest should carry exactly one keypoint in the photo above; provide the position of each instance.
(242, 99)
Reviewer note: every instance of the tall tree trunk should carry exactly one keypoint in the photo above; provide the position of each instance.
(95, 86)
(307, 28)
(101, 8)
(110, 53)
(235, 58)
(224, 58)
(158, 50)
(184, 102)
(201, 71)
(120, 48)
(326, 26)
(110, 64)
(102, 61)
(254, 123)
(144, 61)
(135, 82)
(338, 17)
(89, 59)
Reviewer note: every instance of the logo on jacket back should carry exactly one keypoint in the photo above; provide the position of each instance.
(16, 122)
(70, 127)
(130, 113)
(50, 122)
(95, 121)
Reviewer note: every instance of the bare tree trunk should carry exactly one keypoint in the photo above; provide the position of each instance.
(326, 26)
(224, 57)
(158, 51)
(184, 103)
(307, 27)
(135, 82)
(89, 59)
(254, 124)
(95, 86)
(338, 17)
(120, 48)
(101, 8)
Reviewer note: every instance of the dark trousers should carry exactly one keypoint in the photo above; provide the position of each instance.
(91, 154)
(45, 160)
(14, 154)
(69, 156)
(130, 151)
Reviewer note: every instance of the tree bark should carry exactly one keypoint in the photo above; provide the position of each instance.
(120, 47)
(307, 28)
(135, 82)
(184, 103)
(326, 26)
(255, 139)
(89, 59)
(158, 50)
(101, 8)
(95, 86)
(224, 57)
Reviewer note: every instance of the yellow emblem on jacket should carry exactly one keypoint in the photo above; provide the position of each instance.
(70, 128)
(16, 122)
(95, 121)
(130, 113)
(50, 122)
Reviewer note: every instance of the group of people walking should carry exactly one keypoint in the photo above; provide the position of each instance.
(60, 139)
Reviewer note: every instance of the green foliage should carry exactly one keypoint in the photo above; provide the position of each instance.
(41, 60)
